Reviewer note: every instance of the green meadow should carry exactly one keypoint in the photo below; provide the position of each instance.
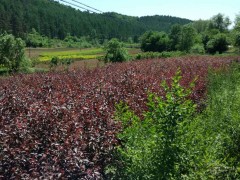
(46, 54)
(83, 54)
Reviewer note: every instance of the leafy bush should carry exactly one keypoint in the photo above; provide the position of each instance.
(34, 39)
(218, 43)
(115, 52)
(154, 41)
(54, 62)
(197, 49)
(26, 66)
(11, 52)
(154, 148)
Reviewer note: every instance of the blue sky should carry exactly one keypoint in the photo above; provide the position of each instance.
(191, 9)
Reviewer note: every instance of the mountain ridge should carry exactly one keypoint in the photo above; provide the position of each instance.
(55, 20)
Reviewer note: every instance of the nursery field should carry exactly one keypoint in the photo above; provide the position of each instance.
(61, 125)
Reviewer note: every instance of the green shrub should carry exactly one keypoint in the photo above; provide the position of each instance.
(198, 49)
(66, 63)
(218, 43)
(11, 52)
(115, 52)
(34, 39)
(216, 131)
(26, 66)
(154, 148)
(54, 62)
(154, 41)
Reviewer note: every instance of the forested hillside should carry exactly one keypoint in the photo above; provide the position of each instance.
(56, 20)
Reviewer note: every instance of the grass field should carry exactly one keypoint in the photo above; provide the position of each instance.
(65, 53)
(46, 54)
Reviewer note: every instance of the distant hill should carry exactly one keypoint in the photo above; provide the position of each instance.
(52, 19)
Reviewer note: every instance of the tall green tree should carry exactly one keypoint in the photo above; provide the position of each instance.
(236, 31)
(175, 36)
(201, 25)
(188, 36)
(237, 21)
(219, 22)
(218, 43)
(237, 41)
(155, 41)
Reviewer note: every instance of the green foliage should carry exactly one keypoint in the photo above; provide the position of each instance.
(175, 36)
(26, 66)
(216, 132)
(54, 62)
(170, 143)
(218, 43)
(154, 41)
(165, 54)
(237, 40)
(154, 148)
(115, 52)
(201, 25)
(73, 41)
(237, 19)
(55, 20)
(67, 63)
(187, 38)
(183, 37)
(11, 52)
(198, 49)
(219, 22)
(236, 32)
(34, 39)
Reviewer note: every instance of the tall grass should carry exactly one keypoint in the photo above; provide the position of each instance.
(214, 135)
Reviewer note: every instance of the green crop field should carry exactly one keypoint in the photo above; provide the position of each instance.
(45, 54)
(84, 54)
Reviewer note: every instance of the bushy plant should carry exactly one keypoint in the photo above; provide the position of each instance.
(218, 43)
(11, 52)
(54, 62)
(115, 52)
(154, 148)
(34, 39)
(155, 41)
(198, 49)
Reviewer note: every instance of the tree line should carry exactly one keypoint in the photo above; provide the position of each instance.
(54, 20)
(202, 36)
